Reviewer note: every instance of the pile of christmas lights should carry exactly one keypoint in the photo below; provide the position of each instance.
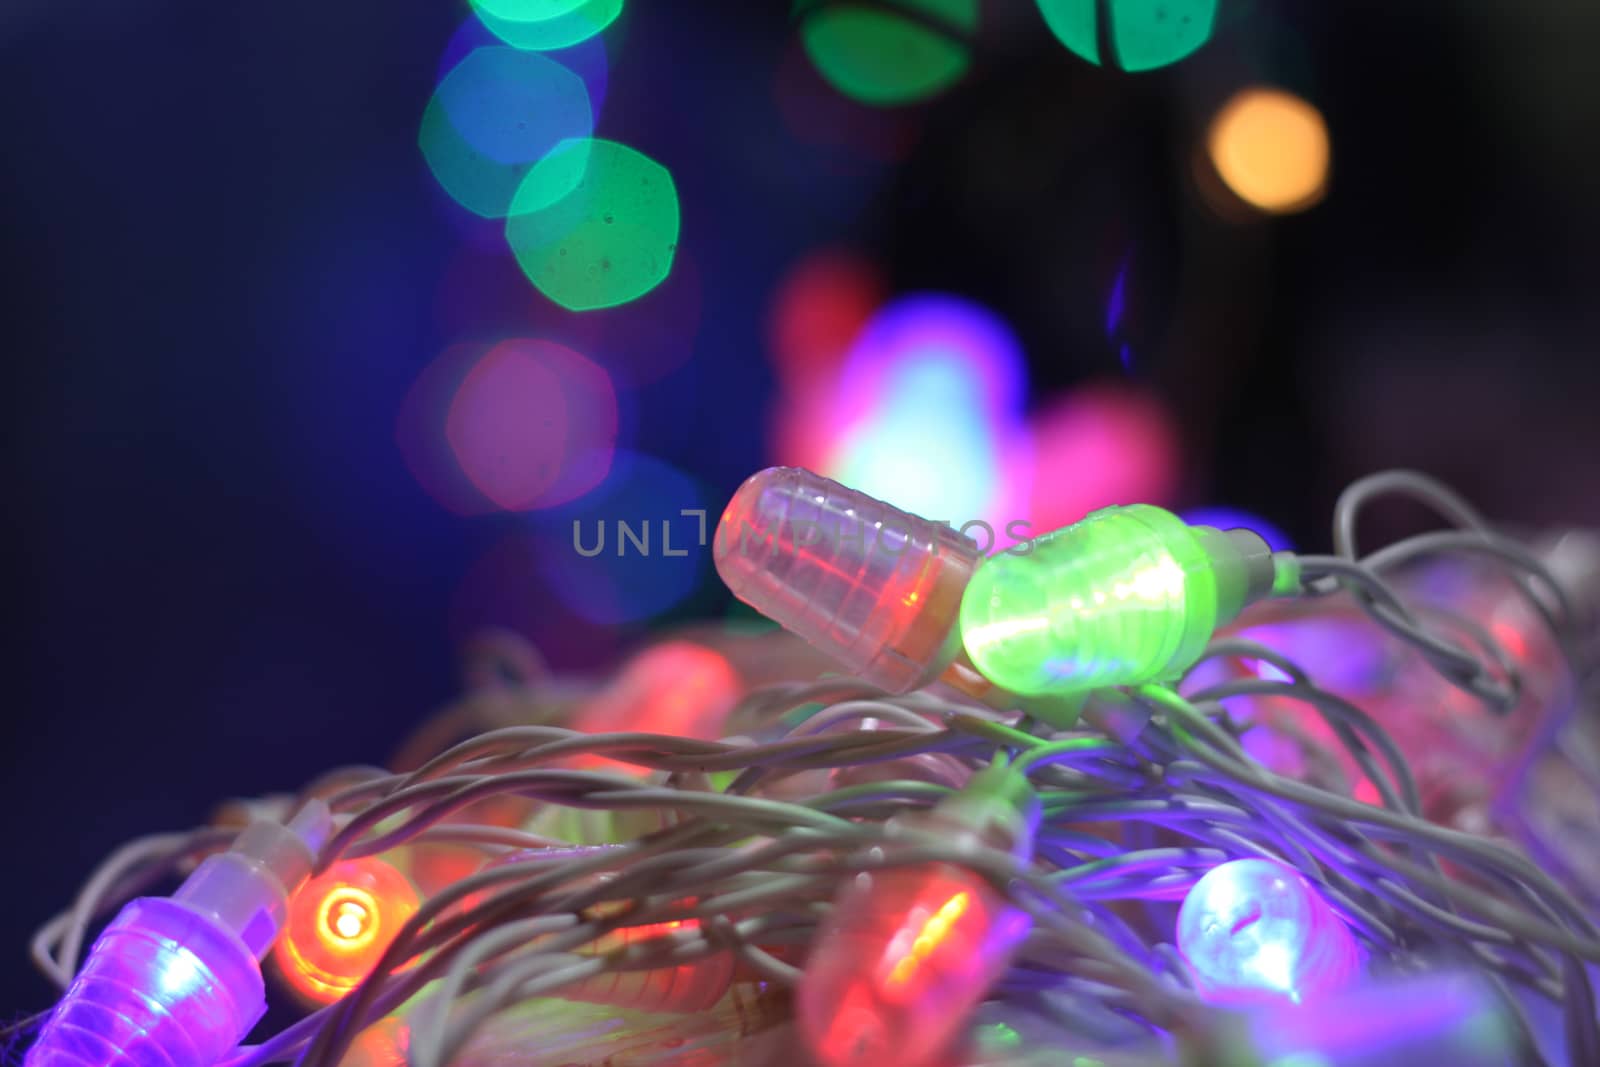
(1134, 792)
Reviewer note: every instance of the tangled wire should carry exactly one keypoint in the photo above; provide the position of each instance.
(737, 847)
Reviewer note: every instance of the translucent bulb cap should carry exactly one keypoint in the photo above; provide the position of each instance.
(873, 587)
(162, 987)
(1256, 930)
(901, 963)
(999, 805)
(1128, 595)
(176, 982)
(340, 924)
(246, 889)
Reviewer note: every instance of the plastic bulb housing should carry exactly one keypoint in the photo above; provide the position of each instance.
(904, 959)
(909, 952)
(176, 981)
(340, 923)
(678, 688)
(687, 987)
(1254, 930)
(1128, 595)
(874, 588)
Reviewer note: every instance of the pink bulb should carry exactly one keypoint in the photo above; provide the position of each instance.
(904, 959)
(873, 587)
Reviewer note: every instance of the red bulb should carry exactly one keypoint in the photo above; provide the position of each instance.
(678, 688)
(902, 962)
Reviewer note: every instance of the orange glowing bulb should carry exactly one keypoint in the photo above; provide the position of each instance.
(1271, 148)
(339, 924)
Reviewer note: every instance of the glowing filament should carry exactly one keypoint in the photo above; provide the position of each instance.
(340, 924)
(933, 932)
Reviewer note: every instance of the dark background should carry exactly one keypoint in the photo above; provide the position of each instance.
(220, 248)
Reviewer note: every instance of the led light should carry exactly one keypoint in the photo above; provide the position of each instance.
(908, 953)
(339, 924)
(678, 688)
(687, 987)
(1255, 929)
(872, 586)
(1128, 595)
(1436, 1017)
(175, 982)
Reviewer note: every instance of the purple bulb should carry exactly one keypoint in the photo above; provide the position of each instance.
(176, 982)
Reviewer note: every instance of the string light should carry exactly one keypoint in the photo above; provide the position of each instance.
(908, 953)
(176, 981)
(938, 889)
(677, 687)
(1255, 929)
(873, 586)
(339, 925)
(1128, 595)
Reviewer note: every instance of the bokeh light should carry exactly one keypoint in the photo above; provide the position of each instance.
(638, 344)
(515, 426)
(339, 925)
(533, 424)
(923, 407)
(875, 52)
(1233, 519)
(628, 552)
(1103, 444)
(863, 138)
(544, 25)
(420, 434)
(646, 339)
(595, 224)
(818, 309)
(494, 116)
(588, 59)
(1144, 34)
(1271, 149)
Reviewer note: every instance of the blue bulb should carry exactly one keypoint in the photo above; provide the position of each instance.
(1255, 929)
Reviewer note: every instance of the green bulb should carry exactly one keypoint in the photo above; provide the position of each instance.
(1128, 595)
